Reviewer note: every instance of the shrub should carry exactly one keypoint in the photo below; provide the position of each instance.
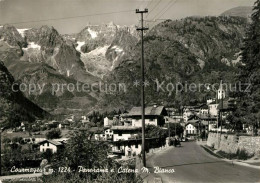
(6, 140)
(243, 155)
(53, 134)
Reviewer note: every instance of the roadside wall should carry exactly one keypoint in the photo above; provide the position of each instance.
(231, 143)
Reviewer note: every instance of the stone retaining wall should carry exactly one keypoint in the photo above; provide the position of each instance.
(231, 143)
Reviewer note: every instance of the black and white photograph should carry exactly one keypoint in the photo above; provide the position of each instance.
(129, 91)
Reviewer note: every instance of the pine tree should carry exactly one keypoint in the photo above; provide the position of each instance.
(249, 106)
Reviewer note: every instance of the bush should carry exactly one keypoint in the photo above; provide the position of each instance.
(79, 151)
(53, 134)
(6, 140)
(15, 139)
(243, 155)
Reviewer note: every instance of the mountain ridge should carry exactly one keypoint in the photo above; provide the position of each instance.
(240, 11)
(14, 107)
(110, 53)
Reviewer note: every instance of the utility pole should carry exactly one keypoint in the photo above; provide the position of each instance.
(0, 152)
(208, 126)
(220, 112)
(175, 128)
(221, 108)
(169, 134)
(142, 29)
(217, 117)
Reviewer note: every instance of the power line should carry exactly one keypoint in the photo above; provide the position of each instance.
(149, 3)
(155, 20)
(141, 3)
(164, 8)
(160, 12)
(72, 17)
(168, 8)
(153, 8)
(163, 11)
(144, 3)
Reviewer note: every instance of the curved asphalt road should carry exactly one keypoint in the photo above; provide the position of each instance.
(191, 163)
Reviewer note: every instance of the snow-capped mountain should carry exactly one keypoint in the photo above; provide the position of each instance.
(179, 50)
(102, 46)
(43, 55)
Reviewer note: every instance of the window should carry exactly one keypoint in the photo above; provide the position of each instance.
(119, 133)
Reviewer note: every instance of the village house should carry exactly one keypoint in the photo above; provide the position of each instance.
(174, 119)
(213, 108)
(64, 125)
(109, 134)
(191, 128)
(125, 132)
(53, 124)
(99, 136)
(154, 115)
(208, 121)
(98, 133)
(171, 111)
(133, 147)
(187, 112)
(125, 119)
(116, 120)
(108, 121)
(22, 126)
(84, 120)
(127, 148)
(70, 118)
(226, 106)
(203, 109)
(210, 100)
(51, 145)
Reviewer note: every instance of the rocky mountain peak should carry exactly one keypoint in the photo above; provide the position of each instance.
(45, 36)
(10, 34)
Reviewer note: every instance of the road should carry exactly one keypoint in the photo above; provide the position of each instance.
(191, 163)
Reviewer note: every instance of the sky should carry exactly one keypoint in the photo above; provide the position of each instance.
(35, 13)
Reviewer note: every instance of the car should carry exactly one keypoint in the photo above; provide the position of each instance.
(184, 139)
(177, 143)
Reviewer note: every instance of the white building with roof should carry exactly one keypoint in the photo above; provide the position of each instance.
(154, 115)
(53, 146)
(125, 132)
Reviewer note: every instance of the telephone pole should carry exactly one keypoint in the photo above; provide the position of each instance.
(142, 29)
(0, 152)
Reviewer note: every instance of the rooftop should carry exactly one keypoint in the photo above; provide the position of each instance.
(52, 142)
(125, 128)
(149, 111)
